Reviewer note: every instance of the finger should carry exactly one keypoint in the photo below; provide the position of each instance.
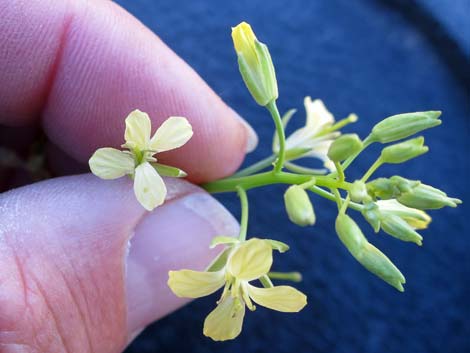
(64, 254)
(82, 66)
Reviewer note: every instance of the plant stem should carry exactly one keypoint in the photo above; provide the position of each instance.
(269, 178)
(331, 197)
(372, 169)
(254, 168)
(244, 213)
(281, 135)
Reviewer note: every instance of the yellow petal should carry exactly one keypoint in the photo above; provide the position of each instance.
(281, 298)
(251, 260)
(418, 219)
(138, 127)
(226, 320)
(195, 284)
(149, 187)
(110, 163)
(173, 133)
(318, 117)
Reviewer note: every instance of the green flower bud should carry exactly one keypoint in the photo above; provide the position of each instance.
(425, 197)
(391, 188)
(399, 228)
(358, 191)
(344, 147)
(404, 151)
(368, 255)
(403, 184)
(255, 64)
(401, 126)
(298, 206)
(350, 234)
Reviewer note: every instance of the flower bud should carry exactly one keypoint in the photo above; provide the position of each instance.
(298, 206)
(344, 147)
(368, 255)
(399, 228)
(255, 64)
(391, 188)
(425, 197)
(358, 191)
(401, 126)
(404, 151)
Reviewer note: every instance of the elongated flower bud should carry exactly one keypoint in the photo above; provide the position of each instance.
(298, 206)
(400, 229)
(344, 147)
(368, 255)
(391, 188)
(255, 64)
(425, 197)
(401, 126)
(404, 151)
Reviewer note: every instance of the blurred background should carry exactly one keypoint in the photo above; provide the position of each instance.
(375, 58)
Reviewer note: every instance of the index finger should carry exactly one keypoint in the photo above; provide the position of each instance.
(79, 67)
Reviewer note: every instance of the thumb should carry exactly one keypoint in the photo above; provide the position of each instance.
(69, 279)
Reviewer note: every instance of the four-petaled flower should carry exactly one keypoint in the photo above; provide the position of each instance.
(316, 136)
(138, 161)
(248, 261)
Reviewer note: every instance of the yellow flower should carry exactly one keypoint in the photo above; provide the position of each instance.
(139, 161)
(313, 137)
(247, 262)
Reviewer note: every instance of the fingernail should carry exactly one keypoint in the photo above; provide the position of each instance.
(251, 135)
(174, 236)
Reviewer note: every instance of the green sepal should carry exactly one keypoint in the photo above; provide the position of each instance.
(278, 245)
(219, 262)
(166, 170)
(222, 240)
(400, 229)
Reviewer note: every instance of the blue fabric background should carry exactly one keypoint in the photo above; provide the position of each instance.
(374, 58)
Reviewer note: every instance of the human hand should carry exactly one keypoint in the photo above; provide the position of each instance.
(69, 281)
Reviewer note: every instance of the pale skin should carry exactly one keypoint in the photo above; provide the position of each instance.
(68, 281)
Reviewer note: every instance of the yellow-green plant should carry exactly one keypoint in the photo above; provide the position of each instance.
(396, 205)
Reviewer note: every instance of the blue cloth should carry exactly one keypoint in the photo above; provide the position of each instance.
(374, 58)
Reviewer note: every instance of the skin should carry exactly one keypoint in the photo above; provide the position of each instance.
(83, 266)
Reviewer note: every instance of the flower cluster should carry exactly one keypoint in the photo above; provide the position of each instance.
(396, 205)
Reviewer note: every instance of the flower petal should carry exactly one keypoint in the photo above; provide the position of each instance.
(418, 219)
(251, 260)
(195, 284)
(281, 298)
(173, 133)
(320, 151)
(138, 128)
(110, 163)
(318, 117)
(149, 187)
(226, 320)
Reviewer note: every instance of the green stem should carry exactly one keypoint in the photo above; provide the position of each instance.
(331, 197)
(280, 132)
(254, 168)
(303, 170)
(372, 169)
(269, 178)
(244, 213)
(340, 171)
(338, 198)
